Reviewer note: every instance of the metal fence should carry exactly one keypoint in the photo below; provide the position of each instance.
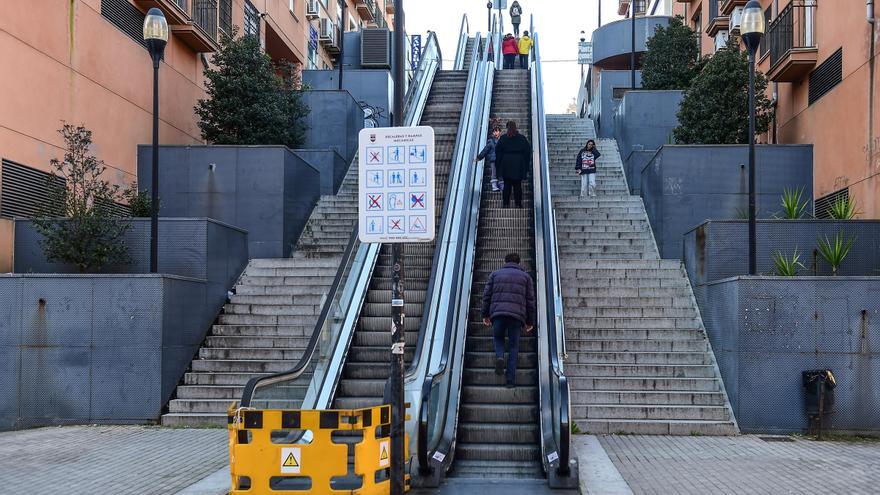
(792, 28)
(204, 16)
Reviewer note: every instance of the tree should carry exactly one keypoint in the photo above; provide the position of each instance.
(715, 110)
(140, 203)
(672, 57)
(251, 101)
(87, 234)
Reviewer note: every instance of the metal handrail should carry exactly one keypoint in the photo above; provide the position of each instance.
(417, 93)
(433, 467)
(555, 397)
(463, 35)
(368, 253)
(792, 29)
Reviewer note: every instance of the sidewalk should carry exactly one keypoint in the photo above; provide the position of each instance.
(747, 464)
(109, 459)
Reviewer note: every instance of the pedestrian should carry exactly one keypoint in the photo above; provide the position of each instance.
(509, 49)
(513, 155)
(508, 306)
(524, 49)
(488, 153)
(515, 16)
(585, 166)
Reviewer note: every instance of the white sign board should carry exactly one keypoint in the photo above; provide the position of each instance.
(499, 4)
(585, 53)
(396, 184)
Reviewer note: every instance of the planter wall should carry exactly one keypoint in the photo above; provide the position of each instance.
(83, 349)
(766, 330)
(604, 104)
(267, 190)
(196, 248)
(333, 123)
(683, 186)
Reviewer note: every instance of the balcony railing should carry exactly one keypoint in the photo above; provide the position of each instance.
(204, 15)
(366, 9)
(791, 40)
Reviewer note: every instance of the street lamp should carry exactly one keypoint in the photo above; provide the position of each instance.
(583, 41)
(752, 28)
(489, 7)
(156, 36)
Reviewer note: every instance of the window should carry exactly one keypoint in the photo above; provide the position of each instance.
(251, 19)
(226, 16)
(768, 16)
(126, 17)
(313, 48)
(698, 28)
(826, 76)
(823, 204)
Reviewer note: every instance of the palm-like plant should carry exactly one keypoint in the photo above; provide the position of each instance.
(835, 251)
(787, 266)
(793, 203)
(844, 208)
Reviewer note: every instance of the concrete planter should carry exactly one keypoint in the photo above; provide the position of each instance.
(197, 248)
(683, 186)
(267, 190)
(83, 349)
(766, 330)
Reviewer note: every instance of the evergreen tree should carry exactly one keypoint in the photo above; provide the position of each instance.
(715, 110)
(671, 59)
(77, 220)
(251, 101)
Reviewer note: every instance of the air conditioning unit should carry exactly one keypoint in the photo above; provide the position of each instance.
(721, 40)
(313, 9)
(376, 48)
(327, 33)
(736, 19)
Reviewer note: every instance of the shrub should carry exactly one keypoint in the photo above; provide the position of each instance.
(88, 234)
(671, 59)
(793, 204)
(843, 208)
(715, 110)
(251, 101)
(835, 251)
(787, 266)
(140, 203)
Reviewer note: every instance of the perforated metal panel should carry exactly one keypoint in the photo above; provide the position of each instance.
(376, 48)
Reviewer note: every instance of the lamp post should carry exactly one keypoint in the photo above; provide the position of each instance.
(156, 36)
(580, 47)
(632, 53)
(752, 28)
(489, 8)
(599, 16)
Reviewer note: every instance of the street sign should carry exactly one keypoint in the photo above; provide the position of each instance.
(585, 53)
(396, 184)
(415, 56)
(499, 4)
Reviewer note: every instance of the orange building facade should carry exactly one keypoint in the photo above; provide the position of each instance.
(820, 58)
(84, 62)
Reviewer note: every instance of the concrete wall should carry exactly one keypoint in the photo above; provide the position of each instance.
(644, 121)
(374, 87)
(7, 238)
(334, 122)
(766, 330)
(330, 164)
(683, 186)
(612, 43)
(718, 249)
(632, 168)
(197, 248)
(267, 190)
(604, 105)
(84, 349)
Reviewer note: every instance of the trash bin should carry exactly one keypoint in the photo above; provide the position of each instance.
(818, 398)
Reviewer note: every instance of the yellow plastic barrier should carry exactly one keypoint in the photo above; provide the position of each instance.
(293, 452)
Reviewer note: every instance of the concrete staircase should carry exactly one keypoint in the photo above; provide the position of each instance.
(638, 360)
(268, 323)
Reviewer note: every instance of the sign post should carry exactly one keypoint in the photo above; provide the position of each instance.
(585, 54)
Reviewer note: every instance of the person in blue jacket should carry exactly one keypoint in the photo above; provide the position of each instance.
(488, 154)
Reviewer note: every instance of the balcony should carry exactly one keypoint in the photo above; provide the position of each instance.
(389, 7)
(366, 9)
(378, 19)
(793, 51)
(194, 22)
(624, 5)
(175, 10)
(727, 6)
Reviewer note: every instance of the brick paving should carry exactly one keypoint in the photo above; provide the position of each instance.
(108, 459)
(743, 465)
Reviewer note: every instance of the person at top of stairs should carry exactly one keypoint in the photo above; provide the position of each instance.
(508, 306)
(525, 48)
(488, 153)
(514, 154)
(585, 166)
(510, 49)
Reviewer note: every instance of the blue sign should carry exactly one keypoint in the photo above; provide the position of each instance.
(416, 51)
(313, 37)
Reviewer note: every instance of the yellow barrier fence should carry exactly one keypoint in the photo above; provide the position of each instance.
(285, 452)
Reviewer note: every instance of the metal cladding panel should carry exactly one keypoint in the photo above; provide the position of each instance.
(126, 384)
(10, 311)
(376, 48)
(55, 384)
(766, 331)
(56, 312)
(336, 126)
(303, 191)
(10, 356)
(127, 312)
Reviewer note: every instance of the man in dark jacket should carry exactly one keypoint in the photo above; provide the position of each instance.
(513, 155)
(508, 305)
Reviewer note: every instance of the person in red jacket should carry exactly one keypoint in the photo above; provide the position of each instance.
(510, 49)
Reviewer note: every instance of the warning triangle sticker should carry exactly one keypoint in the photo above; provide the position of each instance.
(290, 461)
(383, 456)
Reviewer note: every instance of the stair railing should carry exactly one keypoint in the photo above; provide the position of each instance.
(321, 363)
(554, 389)
(435, 392)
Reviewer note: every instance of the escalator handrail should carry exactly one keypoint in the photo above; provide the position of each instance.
(545, 224)
(415, 105)
(463, 35)
(485, 66)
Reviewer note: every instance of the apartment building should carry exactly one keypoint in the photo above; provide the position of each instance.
(820, 56)
(85, 62)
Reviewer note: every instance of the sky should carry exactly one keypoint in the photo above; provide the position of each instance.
(557, 22)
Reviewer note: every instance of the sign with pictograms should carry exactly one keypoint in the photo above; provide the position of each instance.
(396, 185)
